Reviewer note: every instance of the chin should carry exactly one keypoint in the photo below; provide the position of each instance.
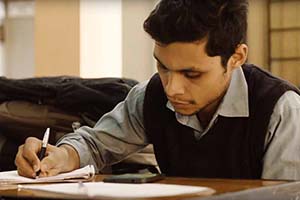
(186, 111)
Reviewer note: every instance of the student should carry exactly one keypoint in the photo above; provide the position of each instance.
(207, 113)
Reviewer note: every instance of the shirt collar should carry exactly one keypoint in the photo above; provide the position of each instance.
(235, 101)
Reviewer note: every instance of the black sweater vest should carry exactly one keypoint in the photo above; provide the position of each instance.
(233, 148)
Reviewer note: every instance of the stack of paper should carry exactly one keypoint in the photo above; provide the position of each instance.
(12, 177)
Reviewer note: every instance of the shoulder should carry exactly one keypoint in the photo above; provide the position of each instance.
(263, 86)
(286, 111)
(288, 102)
(138, 91)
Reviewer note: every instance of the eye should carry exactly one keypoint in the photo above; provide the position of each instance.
(192, 75)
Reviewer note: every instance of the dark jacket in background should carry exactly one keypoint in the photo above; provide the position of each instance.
(90, 97)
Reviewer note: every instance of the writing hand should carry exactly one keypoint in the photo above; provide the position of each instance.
(56, 160)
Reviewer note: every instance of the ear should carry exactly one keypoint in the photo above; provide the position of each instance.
(239, 57)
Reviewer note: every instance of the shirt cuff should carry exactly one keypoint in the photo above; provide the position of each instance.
(78, 143)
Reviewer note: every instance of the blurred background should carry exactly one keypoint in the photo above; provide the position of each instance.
(105, 38)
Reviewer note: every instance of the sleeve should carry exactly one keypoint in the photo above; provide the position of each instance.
(117, 135)
(282, 144)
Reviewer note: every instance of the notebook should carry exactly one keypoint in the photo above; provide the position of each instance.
(83, 174)
(118, 190)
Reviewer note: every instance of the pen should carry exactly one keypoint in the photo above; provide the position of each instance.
(43, 149)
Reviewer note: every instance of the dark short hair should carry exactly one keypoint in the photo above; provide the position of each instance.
(222, 22)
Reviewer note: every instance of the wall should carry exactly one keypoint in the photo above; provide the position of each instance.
(107, 40)
(113, 42)
(57, 37)
(100, 38)
(2, 61)
(285, 40)
(18, 42)
(2, 15)
(258, 33)
(138, 62)
(19, 51)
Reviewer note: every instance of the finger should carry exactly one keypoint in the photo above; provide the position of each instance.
(30, 150)
(53, 172)
(50, 172)
(33, 144)
(26, 173)
(24, 168)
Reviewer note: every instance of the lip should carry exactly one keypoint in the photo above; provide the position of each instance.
(179, 103)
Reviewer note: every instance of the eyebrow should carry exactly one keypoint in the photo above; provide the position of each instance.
(188, 69)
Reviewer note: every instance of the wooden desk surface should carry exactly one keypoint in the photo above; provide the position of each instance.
(219, 185)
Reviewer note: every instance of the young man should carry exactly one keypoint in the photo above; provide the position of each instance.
(207, 113)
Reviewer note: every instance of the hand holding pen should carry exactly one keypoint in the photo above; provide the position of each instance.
(44, 148)
(49, 159)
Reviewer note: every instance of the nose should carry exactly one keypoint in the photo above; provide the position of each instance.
(174, 85)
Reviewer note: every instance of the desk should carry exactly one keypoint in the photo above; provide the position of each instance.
(220, 185)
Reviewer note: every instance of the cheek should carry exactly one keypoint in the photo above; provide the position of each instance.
(196, 93)
(215, 81)
(205, 89)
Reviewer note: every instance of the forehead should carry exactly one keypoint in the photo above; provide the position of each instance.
(184, 55)
(181, 48)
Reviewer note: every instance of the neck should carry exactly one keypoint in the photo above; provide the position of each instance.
(206, 114)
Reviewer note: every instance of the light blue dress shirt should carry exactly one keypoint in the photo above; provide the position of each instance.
(120, 133)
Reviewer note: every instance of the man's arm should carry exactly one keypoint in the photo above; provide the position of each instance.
(282, 157)
(116, 135)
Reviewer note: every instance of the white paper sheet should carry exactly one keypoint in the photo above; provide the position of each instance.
(12, 177)
(120, 190)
